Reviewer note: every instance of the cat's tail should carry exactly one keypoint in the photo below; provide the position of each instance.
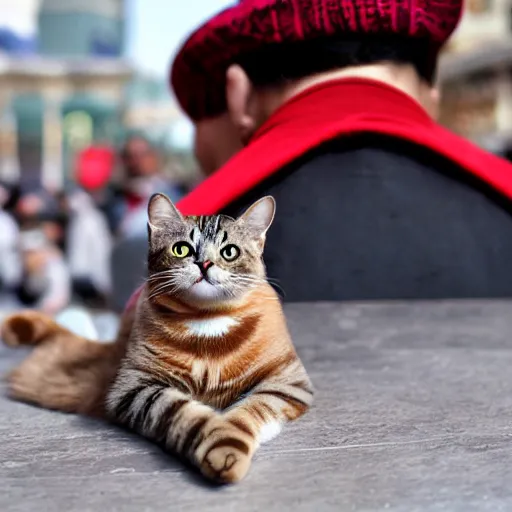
(29, 328)
(64, 371)
(32, 327)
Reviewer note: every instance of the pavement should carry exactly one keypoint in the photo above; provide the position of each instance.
(413, 412)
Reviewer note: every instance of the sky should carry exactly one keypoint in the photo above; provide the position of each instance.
(155, 29)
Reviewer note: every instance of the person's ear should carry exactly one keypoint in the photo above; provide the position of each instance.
(239, 92)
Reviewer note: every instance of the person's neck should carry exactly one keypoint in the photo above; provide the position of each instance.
(401, 77)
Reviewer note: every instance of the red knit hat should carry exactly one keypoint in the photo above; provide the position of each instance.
(198, 72)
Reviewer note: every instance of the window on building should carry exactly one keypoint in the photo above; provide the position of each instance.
(105, 44)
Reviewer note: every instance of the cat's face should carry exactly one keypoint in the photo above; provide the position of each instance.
(206, 260)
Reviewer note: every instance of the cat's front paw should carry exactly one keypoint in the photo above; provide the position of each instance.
(225, 453)
(226, 464)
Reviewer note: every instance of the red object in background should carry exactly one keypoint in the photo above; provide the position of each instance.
(94, 167)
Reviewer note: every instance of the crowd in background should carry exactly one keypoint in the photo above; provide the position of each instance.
(56, 247)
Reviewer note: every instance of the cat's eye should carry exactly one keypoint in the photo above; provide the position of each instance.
(230, 252)
(181, 250)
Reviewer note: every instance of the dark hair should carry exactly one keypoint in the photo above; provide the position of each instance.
(13, 191)
(279, 63)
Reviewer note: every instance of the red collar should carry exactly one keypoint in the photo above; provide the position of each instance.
(329, 110)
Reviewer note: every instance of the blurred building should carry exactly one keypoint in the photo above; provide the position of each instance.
(150, 107)
(62, 78)
(476, 76)
(153, 112)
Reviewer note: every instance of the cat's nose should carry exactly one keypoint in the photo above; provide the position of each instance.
(204, 265)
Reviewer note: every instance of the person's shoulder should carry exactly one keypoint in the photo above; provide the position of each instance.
(364, 151)
(380, 152)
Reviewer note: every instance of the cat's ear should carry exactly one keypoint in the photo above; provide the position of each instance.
(258, 217)
(162, 212)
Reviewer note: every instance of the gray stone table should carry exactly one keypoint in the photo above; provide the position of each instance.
(413, 412)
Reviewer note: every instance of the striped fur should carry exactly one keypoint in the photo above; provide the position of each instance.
(212, 400)
(207, 380)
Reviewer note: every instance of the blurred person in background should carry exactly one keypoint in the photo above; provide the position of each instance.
(329, 106)
(46, 283)
(37, 206)
(142, 177)
(126, 209)
(88, 237)
(88, 243)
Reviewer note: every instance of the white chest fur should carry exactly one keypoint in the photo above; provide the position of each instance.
(211, 327)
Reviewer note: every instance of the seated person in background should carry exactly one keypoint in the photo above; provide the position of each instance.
(328, 106)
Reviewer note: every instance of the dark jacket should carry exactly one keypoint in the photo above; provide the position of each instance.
(371, 217)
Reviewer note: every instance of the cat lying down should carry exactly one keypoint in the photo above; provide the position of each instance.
(203, 363)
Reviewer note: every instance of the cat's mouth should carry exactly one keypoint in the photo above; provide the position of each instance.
(205, 289)
(200, 279)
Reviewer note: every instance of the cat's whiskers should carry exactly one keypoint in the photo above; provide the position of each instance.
(256, 280)
(169, 286)
(161, 275)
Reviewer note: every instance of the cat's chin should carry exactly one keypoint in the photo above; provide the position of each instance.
(204, 291)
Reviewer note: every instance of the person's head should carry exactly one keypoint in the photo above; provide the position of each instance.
(30, 205)
(139, 158)
(261, 81)
(236, 69)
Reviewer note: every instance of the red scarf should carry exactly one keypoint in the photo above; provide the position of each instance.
(325, 112)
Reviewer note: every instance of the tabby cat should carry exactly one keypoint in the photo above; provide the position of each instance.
(203, 365)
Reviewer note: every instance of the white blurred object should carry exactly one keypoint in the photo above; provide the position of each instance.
(52, 283)
(107, 325)
(10, 264)
(79, 322)
(32, 240)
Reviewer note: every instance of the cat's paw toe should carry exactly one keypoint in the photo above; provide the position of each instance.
(226, 464)
(225, 453)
